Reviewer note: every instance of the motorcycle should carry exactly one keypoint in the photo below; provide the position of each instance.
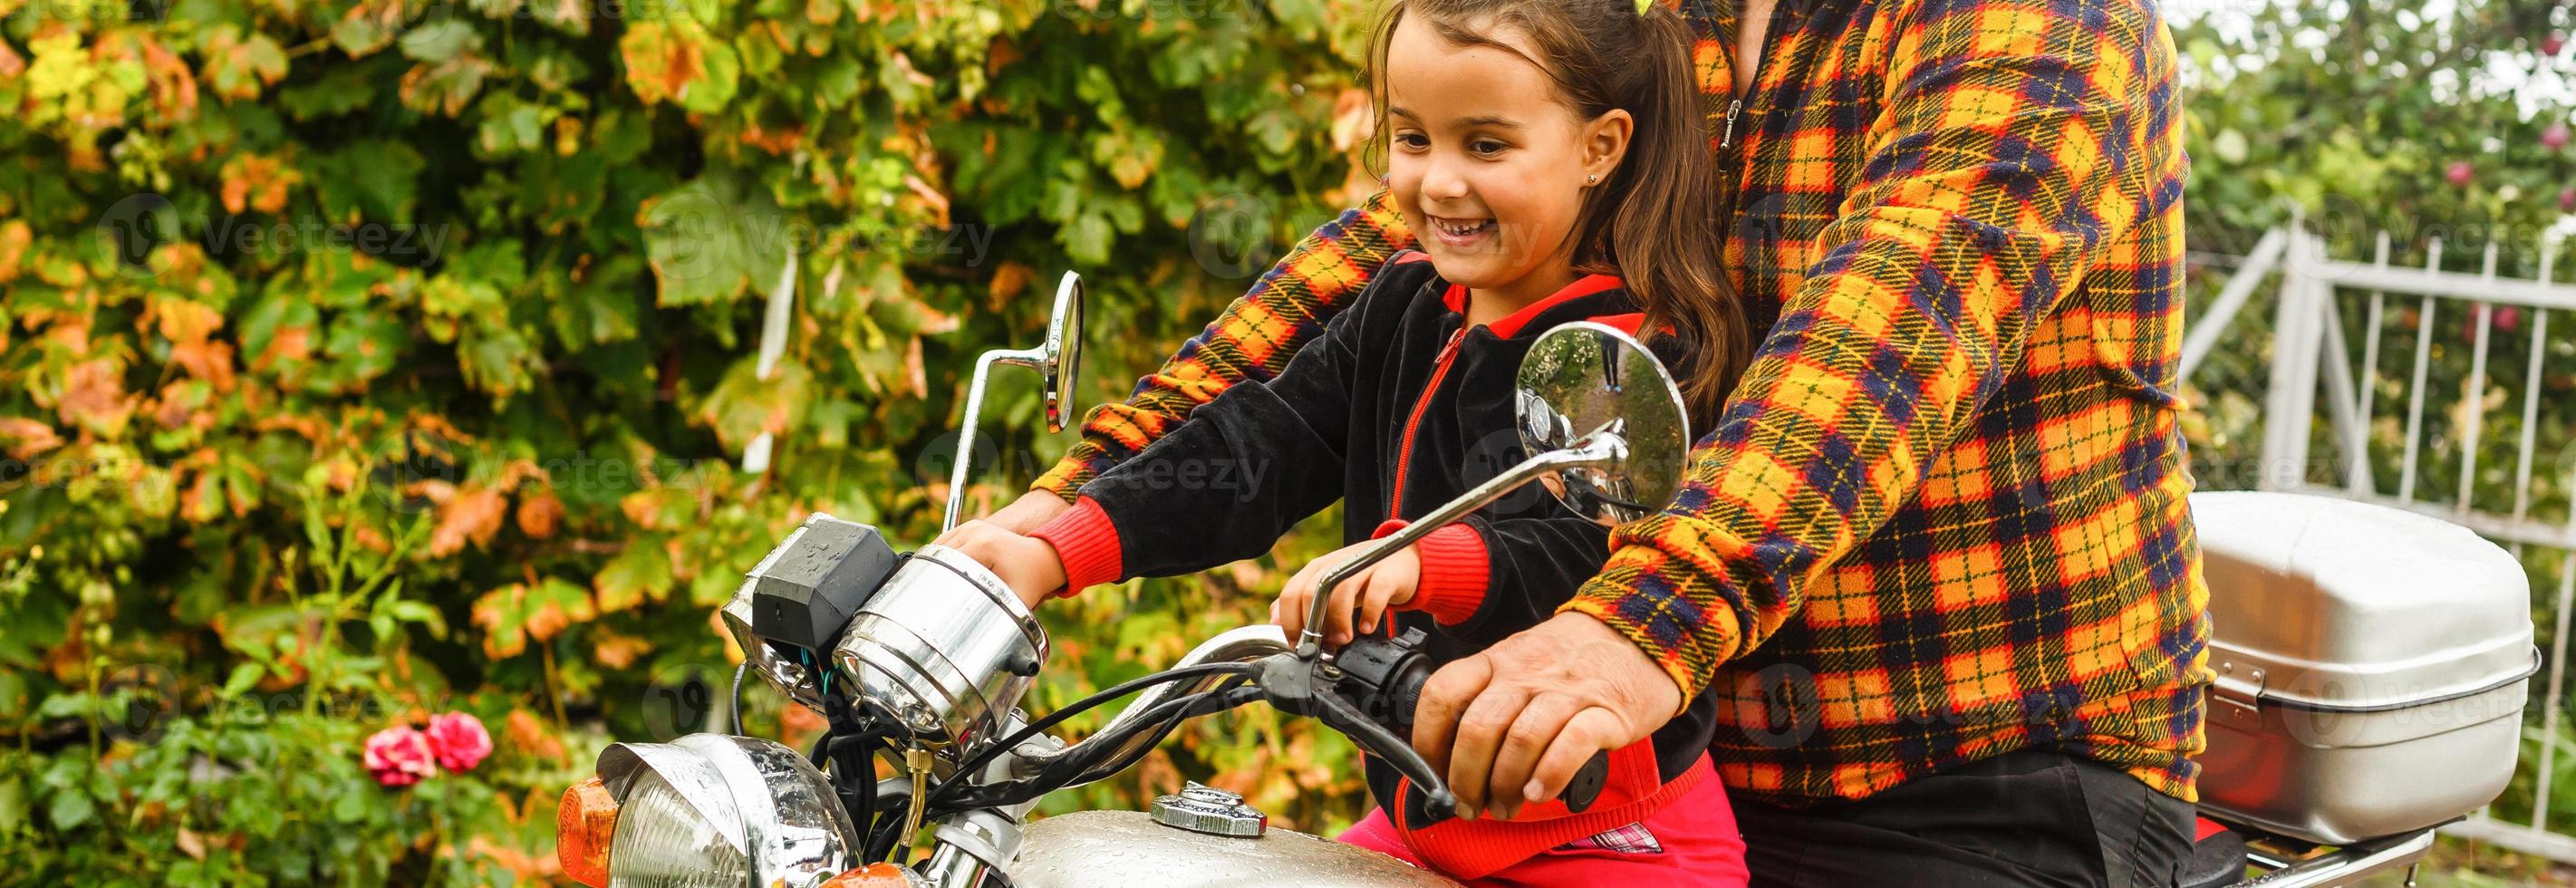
(920, 659)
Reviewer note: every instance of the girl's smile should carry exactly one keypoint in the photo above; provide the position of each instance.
(1460, 235)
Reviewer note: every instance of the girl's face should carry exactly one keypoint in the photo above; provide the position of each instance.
(1487, 163)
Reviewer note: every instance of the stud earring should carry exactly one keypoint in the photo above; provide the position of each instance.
(1594, 180)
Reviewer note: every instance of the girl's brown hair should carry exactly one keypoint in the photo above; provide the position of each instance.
(1649, 222)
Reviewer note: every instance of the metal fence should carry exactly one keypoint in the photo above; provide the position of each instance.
(2418, 385)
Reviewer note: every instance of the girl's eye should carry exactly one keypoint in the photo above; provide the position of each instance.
(1486, 147)
(1412, 140)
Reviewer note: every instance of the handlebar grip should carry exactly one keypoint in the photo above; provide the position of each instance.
(1404, 692)
(1581, 791)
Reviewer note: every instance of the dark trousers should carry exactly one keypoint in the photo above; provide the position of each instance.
(2025, 818)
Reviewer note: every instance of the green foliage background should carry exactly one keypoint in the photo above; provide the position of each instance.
(367, 360)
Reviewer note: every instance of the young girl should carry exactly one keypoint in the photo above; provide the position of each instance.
(1552, 158)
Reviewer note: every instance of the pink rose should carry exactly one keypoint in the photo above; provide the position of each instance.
(459, 740)
(399, 756)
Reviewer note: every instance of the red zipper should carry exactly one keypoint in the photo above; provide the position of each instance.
(1404, 453)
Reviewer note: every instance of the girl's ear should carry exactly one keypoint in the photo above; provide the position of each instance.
(1605, 143)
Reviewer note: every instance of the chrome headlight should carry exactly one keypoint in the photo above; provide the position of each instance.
(712, 810)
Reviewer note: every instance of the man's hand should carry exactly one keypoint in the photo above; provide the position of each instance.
(1032, 509)
(1029, 565)
(1512, 724)
(1383, 585)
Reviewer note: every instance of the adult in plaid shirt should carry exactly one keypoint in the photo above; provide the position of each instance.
(1936, 555)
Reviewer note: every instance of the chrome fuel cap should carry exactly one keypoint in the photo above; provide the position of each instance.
(1211, 811)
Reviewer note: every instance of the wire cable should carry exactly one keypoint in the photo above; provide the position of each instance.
(976, 765)
(738, 670)
(1160, 721)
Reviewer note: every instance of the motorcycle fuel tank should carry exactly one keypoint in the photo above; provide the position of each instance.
(1127, 849)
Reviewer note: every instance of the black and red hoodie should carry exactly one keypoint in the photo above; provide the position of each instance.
(1398, 408)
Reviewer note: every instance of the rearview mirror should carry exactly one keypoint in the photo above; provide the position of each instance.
(1584, 378)
(1058, 361)
(1598, 414)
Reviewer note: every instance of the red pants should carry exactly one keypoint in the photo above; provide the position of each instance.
(1692, 841)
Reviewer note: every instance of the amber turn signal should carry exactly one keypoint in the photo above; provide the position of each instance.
(584, 822)
(874, 875)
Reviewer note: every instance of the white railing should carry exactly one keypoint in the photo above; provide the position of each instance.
(2310, 347)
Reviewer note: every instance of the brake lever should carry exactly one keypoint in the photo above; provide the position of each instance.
(1306, 687)
(1383, 678)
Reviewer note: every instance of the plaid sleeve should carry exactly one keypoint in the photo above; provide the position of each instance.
(2009, 152)
(1252, 340)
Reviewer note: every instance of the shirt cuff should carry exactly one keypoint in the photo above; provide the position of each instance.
(1087, 544)
(1630, 598)
(1456, 570)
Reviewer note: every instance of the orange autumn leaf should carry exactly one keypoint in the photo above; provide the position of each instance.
(180, 406)
(779, 142)
(547, 619)
(660, 64)
(253, 182)
(1000, 54)
(528, 868)
(799, 725)
(94, 395)
(539, 514)
(291, 345)
(185, 321)
(1354, 119)
(207, 360)
(513, 615)
(473, 514)
(1009, 280)
(523, 732)
(26, 438)
(15, 237)
(619, 651)
(174, 87)
(237, 67)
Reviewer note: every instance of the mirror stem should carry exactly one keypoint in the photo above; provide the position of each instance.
(1602, 447)
(958, 471)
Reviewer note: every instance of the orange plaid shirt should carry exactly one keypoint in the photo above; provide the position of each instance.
(1943, 517)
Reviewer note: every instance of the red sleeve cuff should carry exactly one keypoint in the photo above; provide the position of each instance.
(1455, 572)
(1086, 543)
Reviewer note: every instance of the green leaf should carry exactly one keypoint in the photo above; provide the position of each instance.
(244, 677)
(341, 89)
(496, 359)
(638, 573)
(440, 40)
(1089, 238)
(13, 804)
(371, 179)
(70, 809)
(743, 405)
(421, 613)
(695, 240)
(363, 346)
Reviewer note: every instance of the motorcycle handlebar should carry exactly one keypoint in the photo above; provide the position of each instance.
(1240, 645)
(1377, 683)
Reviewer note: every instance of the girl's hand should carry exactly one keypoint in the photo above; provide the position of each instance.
(1029, 565)
(1383, 585)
